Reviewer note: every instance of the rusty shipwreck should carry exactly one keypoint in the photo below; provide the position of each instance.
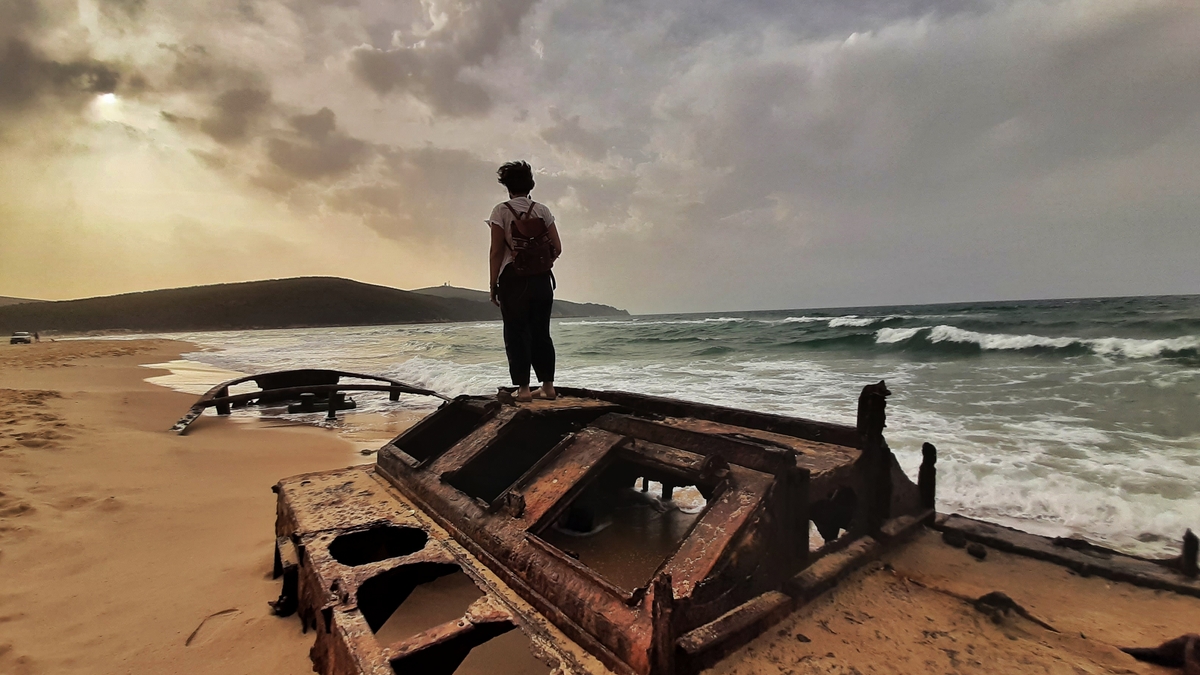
(545, 537)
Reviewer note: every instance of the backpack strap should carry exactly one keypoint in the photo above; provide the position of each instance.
(518, 216)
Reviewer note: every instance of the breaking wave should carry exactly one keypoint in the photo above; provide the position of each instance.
(958, 340)
(838, 322)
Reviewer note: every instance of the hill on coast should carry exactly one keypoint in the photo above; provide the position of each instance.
(6, 301)
(562, 308)
(276, 303)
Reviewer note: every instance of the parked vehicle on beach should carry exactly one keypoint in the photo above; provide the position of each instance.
(20, 338)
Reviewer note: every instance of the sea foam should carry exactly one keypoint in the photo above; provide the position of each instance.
(887, 336)
(1131, 348)
(851, 320)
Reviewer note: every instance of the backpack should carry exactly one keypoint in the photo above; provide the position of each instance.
(533, 250)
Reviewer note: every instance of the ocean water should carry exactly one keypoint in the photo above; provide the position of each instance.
(1059, 416)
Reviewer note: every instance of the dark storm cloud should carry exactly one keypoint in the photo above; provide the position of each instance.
(431, 67)
(194, 69)
(976, 145)
(595, 200)
(321, 151)
(317, 126)
(122, 9)
(26, 75)
(234, 114)
(229, 102)
(431, 79)
(18, 15)
(568, 133)
(908, 116)
(427, 194)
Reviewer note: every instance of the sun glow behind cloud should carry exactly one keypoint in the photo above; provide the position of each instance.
(106, 107)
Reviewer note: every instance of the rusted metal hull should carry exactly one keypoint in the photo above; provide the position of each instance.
(292, 385)
(500, 490)
(511, 500)
(330, 584)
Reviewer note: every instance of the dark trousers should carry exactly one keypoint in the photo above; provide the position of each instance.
(525, 304)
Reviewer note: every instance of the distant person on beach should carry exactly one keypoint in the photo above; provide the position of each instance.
(525, 244)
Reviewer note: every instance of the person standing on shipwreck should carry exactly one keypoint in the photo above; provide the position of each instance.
(525, 244)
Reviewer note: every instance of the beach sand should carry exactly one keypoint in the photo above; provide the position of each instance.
(912, 612)
(125, 548)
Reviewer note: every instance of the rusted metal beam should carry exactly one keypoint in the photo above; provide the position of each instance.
(824, 432)
(743, 452)
(703, 646)
(482, 612)
(662, 638)
(310, 380)
(1187, 559)
(291, 392)
(590, 446)
(1090, 559)
(875, 499)
(927, 476)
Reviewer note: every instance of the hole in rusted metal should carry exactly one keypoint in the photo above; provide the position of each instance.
(377, 543)
(440, 431)
(505, 655)
(489, 649)
(834, 515)
(619, 531)
(407, 600)
(518, 446)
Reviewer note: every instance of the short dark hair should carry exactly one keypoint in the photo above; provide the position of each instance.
(517, 177)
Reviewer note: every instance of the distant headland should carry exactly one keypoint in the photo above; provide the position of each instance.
(276, 303)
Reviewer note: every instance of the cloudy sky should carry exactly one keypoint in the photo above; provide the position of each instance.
(699, 155)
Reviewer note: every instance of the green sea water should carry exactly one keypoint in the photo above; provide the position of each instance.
(1056, 416)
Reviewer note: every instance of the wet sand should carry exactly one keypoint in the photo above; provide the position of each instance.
(125, 548)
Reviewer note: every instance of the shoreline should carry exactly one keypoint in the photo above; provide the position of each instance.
(127, 548)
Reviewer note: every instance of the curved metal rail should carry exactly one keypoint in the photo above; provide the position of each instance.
(285, 385)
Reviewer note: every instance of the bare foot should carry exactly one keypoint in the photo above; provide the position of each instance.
(546, 392)
(523, 395)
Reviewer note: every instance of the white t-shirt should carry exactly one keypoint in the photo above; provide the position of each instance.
(504, 218)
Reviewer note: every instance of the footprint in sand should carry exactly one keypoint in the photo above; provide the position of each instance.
(11, 507)
(11, 662)
(42, 438)
(72, 503)
(212, 626)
